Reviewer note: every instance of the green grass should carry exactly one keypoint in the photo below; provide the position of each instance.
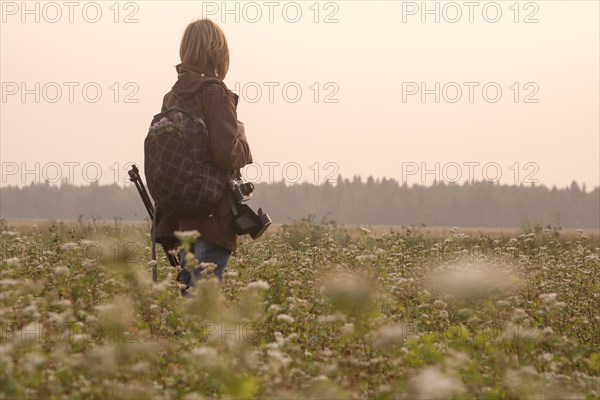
(315, 311)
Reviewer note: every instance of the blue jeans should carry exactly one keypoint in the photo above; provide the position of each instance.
(209, 253)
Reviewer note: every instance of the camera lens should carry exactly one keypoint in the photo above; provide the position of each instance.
(247, 188)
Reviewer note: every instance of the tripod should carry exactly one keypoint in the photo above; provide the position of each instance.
(134, 176)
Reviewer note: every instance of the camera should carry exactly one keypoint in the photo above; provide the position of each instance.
(246, 221)
(242, 191)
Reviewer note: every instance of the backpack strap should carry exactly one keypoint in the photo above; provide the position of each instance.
(232, 203)
(192, 105)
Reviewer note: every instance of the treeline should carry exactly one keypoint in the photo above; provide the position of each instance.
(374, 201)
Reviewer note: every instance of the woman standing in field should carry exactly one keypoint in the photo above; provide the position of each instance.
(204, 63)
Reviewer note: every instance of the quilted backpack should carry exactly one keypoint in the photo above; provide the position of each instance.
(180, 174)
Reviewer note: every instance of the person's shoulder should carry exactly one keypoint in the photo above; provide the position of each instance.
(167, 96)
(215, 90)
(168, 100)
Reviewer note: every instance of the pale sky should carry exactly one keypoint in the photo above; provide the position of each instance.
(373, 58)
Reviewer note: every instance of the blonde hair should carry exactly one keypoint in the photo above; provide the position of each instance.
(204, 46)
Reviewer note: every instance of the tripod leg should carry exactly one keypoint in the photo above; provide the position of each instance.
(134, 177)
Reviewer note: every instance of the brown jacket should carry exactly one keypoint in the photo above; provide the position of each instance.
(228, 147)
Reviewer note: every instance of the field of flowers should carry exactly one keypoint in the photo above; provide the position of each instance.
(314, 311)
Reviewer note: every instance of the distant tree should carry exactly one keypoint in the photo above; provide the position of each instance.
(383, 201)
(574, 187)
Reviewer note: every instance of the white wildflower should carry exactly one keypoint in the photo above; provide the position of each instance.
(279, 356)
(4, 283)
(560, 304)
(187, 235)
(519, 333)
(366, 258)
(519, 315)
(464, 312)
(456, 359)
(259, 284)
(30, 309)
(205, 352)
(548, 299)
(548, 331)
(69, 246)
(431, 383)
(347, 329)
(274, 308)
(388, 335)
(440, 304)
(279, 339)
(364, 230)
(61, 303)
(60, 270)
(285, 318)
(14, 261)
(33, 361)
(473, 280)
(207, 356)
(443, 315)
(10, 233)
(331, 318)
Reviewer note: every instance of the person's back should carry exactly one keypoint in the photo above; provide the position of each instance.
(204, 64)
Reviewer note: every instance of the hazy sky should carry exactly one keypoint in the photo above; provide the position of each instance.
(518, 87)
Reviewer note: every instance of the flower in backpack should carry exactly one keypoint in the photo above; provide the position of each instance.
(159, 127)
(165, 125)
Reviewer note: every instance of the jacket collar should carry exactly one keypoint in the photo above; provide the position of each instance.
(190, 80)
(180, 68)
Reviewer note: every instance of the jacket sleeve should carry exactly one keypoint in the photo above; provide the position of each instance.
(228, 143)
